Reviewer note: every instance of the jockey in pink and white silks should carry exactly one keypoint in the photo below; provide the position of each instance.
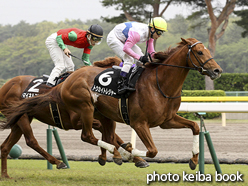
(123, 39)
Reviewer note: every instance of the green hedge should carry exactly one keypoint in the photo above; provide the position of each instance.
(232, 82)
(227, 82)
(194, 81)
(192, 93)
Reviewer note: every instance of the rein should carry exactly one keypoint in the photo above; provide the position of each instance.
(191, 68)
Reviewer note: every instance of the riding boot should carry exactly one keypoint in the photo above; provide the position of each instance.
(122, 85)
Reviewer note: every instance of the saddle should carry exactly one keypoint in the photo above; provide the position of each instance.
(106, 83)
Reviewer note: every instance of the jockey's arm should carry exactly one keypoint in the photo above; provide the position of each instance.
(132, 39)
(62, 45)
(86, 56)
(150, 48)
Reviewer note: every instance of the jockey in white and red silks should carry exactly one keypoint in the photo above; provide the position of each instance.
(60, 54)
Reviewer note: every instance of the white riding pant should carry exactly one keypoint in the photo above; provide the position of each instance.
(117, 46)
(60, 60)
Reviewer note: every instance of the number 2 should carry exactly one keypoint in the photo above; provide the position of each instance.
(37, 83)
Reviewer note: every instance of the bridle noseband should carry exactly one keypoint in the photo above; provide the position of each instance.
(187, 67)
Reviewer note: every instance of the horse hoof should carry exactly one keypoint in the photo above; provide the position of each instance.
(192, 165)
(101, 161)
(62, 166)
(118, 161)
(142, 164)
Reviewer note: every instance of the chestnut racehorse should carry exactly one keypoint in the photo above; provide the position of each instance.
(11, 92)
(154, 103)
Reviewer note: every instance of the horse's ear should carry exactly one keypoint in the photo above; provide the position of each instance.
(184, 41)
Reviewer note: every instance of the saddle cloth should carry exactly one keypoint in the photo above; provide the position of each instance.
(36, 86)
(106, 82)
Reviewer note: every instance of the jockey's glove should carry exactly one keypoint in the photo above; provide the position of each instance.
(143, 59)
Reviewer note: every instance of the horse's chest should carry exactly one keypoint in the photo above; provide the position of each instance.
(160, 113)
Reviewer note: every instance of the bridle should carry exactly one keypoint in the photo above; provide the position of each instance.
(200, 63)
(186, 67)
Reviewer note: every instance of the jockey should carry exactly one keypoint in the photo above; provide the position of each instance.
(123, 39)
(60, 54)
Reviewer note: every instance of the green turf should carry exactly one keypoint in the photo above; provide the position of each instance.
(34, 172)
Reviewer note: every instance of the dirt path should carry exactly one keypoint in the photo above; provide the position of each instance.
(230, 142)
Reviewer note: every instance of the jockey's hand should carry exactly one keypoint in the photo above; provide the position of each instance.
(143, 59)
(67, 52)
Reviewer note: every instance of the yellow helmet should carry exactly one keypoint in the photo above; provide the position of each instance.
(158, 23)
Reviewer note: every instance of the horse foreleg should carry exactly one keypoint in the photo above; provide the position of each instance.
(24, 125)
(180, 122)
(106, 134)
(12, 139)
(139, 162)
(88, 136)
(103, 156)
(143, 131)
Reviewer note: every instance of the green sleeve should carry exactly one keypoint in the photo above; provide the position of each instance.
(86, 59)
(60, 42)
(86, 56)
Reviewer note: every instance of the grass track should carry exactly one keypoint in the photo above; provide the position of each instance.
(34, 173)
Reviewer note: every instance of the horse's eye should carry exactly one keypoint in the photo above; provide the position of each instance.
(200, 53)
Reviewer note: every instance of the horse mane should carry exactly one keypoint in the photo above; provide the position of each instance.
(160, 57)
(108, 62)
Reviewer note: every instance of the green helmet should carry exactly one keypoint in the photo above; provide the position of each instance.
(158, 23)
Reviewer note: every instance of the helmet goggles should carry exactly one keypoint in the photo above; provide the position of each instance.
(159, 32)
(97, 40)
(94, 38)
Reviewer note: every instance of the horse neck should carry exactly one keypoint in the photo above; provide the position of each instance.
(171, 79)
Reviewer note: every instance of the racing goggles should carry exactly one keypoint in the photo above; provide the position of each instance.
(96, 38)
(159, 32)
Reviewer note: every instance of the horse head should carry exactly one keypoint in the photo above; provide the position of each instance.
(199, 58)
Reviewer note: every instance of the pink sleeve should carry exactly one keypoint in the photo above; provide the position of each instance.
(133, 38)
(150, 49)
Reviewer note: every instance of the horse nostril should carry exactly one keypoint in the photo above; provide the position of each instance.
(218, 71)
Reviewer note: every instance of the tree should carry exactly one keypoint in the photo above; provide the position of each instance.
(137, 10)
(219, 17)
(243, 22)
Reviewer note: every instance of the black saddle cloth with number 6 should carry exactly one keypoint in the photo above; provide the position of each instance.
(106, 82)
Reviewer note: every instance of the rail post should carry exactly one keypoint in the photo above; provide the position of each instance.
(210, 146)
(59, 145)
(201, 144)
(212, 152)
(49, 146)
